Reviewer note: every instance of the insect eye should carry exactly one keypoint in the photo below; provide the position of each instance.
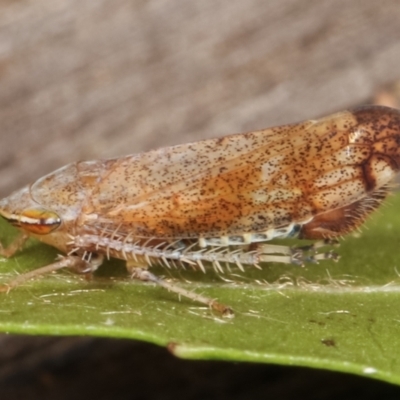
(39, 221)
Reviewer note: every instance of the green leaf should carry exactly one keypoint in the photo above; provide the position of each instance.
(341, 316)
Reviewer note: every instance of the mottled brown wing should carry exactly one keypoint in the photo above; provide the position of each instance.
(242, 183)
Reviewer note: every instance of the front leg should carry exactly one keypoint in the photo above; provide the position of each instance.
(73, 262)
(14, 246)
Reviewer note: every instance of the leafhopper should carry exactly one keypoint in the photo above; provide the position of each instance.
(215, 201)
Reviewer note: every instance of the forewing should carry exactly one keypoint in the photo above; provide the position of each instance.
(242, 183)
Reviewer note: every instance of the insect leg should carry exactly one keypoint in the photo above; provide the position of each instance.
(294, 255)
(143, 274)
(14, 246)
(73, 262)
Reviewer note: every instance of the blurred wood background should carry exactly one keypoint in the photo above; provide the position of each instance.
(94, 79)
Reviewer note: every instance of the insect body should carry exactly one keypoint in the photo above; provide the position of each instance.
(217, 201)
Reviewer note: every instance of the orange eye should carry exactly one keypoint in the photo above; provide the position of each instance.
(39, 221)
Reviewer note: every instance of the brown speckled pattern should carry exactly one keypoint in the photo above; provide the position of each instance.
(326, 175)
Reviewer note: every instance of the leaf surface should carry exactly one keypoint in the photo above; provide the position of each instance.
(341, 316)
